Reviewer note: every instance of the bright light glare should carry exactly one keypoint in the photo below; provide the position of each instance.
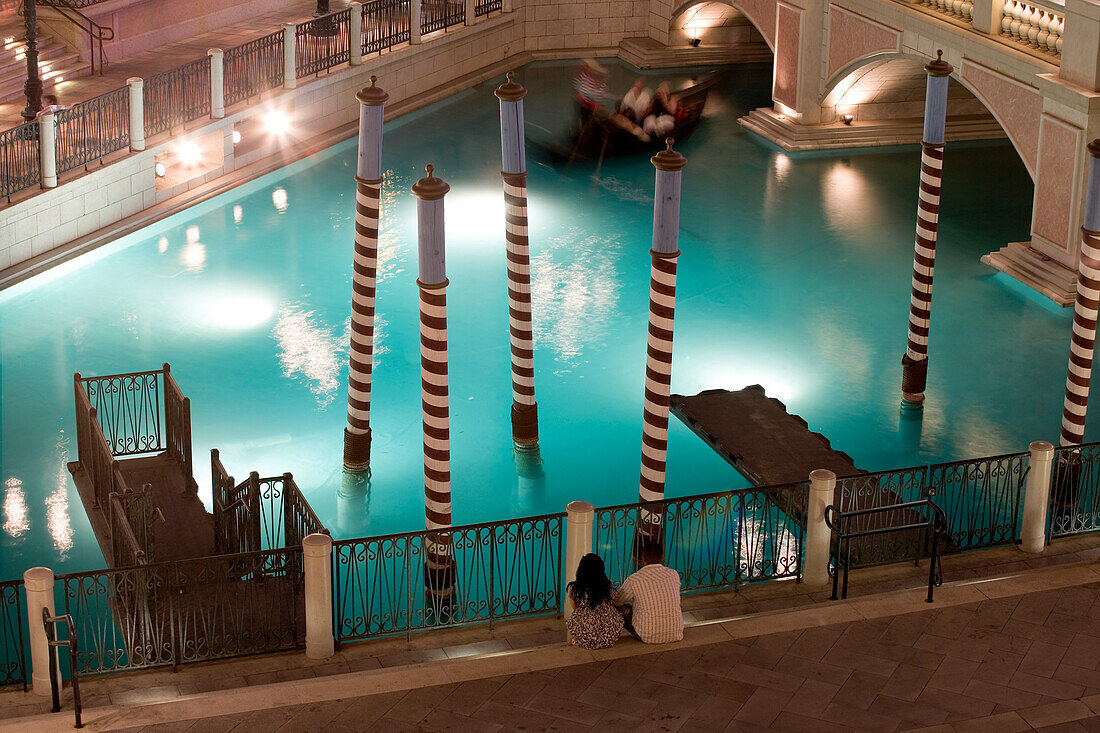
(162, 245)
(277, 123)
(236, 136)
(192, 233)
(238, 214)
(472, 213)
(233, 311)
(279, 198)
(189, 153)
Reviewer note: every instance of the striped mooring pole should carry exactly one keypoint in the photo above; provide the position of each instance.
(914, 364)
(439, 575)
(1084, 311)
(368, 192)
(525, 412)
(658, 366)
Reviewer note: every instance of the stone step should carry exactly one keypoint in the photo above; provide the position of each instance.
(55, 63)
(646, 53)
(1034, 269)
(793, 137)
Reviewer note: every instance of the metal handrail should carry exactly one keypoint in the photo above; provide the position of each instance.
(840, 524)
(48, 624)
(95, 32)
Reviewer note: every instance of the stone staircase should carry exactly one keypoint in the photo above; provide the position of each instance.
(56, 63)
(792, 137)
(646, 53)
(1046, 275)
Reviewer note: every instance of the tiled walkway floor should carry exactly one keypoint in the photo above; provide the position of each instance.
(1008, 664)
(166, 57)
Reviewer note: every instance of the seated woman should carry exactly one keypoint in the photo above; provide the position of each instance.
(595, 623)
(662, 117)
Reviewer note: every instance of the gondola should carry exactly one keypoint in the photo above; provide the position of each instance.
(593, 137)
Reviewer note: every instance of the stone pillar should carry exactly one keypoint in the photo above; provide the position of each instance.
(986, 16)
(822, 491)
(414, 22)
(1080, 61)
(662, 305)
(368, 194)
(506, 6)
(217, 83)
(355, 33)
(1084, 310)
(317, 555)
(915, 361)
(800, 42)
(38, 583)
(137, 113)
(290, 56)
(1033, 534)
(471, 12)
(439, 552)
(578, 541)
(525, 419)
(47, 147)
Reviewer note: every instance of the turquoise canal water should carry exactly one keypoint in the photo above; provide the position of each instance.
(795, 274)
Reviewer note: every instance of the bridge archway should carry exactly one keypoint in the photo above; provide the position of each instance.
(723, 22)
(896, 82)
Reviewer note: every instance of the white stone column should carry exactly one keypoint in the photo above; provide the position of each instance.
(355, 33)
(1033, 534)
(290, 56)
(986, 16)
(317, 554)
(217, 83)
(1080, 62)
(471, 12)
(578, 541)
(137, 113)
(815, 571)
(47, 148)
(414, 22)
(38, 583)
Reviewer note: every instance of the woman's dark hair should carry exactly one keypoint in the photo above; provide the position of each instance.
(592, 584)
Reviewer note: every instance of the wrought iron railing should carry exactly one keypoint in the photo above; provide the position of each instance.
(484, 7)
(322, 43)
(713, 540)
(187, 610)
(439, 14)
(175, 97)
(90, 130)
(285, 515)
(132, 519)
(128, 409)
(13, 662)
(177, 426)
(981, 499)
(385, 24)
(19, 164)
(234, 527)
(501, 570)
(1075, 490)
(253, 67)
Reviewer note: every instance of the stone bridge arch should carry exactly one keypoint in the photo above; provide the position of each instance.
(760, 13)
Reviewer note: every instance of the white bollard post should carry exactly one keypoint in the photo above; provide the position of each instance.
(47, 147)
(471, 12)
(822, 490)
(290, 56)
(578, 541)
(137, 113)
(317, 552)
(355, 33)
(414, 22)
(217, 83)
(38, 583)
(1033, 534)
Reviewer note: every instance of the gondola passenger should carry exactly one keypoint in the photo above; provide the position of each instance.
(662, 117)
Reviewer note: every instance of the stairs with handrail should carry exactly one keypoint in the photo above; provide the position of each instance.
(56, 63)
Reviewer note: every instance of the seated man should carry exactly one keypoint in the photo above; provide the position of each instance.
(654, 592)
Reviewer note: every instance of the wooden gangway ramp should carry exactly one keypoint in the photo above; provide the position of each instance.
(770, 446)
(756, 435)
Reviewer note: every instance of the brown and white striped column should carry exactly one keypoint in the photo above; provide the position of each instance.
(662, 306)
(914, 364)
(1083, 339)
(439, 556)
(368, 191)
(525, 415)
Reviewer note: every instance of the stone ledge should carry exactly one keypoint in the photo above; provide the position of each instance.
(1032, 268)
(646, 53)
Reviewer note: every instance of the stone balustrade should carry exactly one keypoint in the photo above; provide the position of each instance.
(1038, 25)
